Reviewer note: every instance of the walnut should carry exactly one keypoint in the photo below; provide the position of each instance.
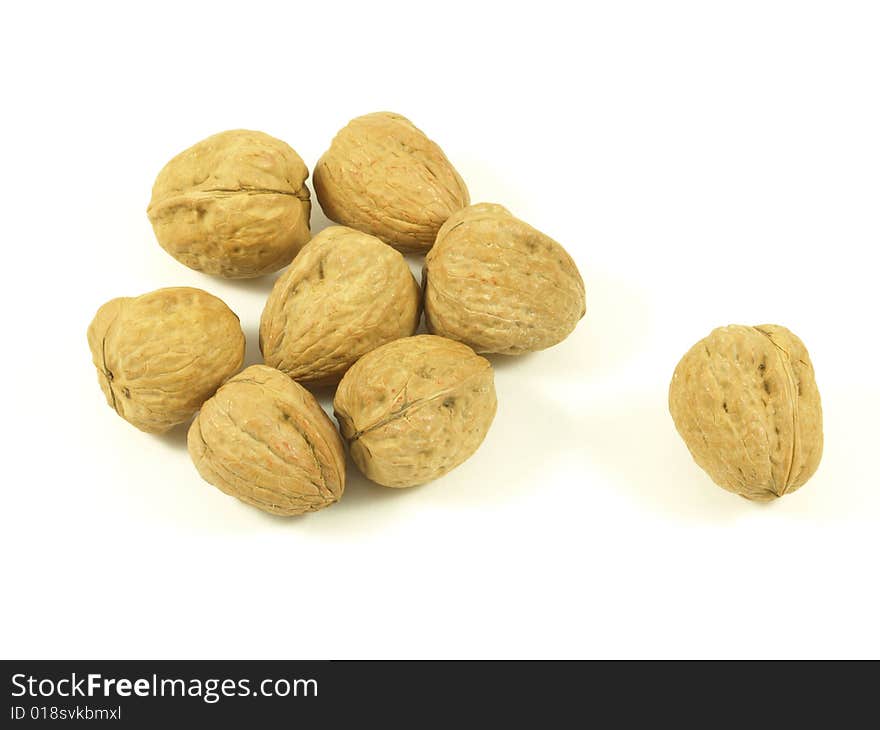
(159, 356)
(498, 285)
(382, 175)
(235, 205)
(745, 401)
(345, 294)
(415, 408)
(264, 439)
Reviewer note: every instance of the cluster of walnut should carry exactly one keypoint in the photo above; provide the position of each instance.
(346, 311)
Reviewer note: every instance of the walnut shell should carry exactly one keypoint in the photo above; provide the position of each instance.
(265, 440)
(159, 356)
(415, 408)
(345, 294)
(498, 285)
(382, 175)
(745, 401)
(234, 204)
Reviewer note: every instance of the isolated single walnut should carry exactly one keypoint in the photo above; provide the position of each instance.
(345, 294)
(415, 408)
(745, 401)
(265, 439)
(235, 205)
(159, 356)
(382, 175)
(498, 285)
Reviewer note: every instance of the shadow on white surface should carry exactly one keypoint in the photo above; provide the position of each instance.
(260, 285)
(511, 362)
(362, 494)
(175, 438)
(252, 354)
(633, 441)
(521, 453)
(365, 507)
(489, 478)
(318, 221)
(843, 487)
(323, 393)
(616, 328)
(416, 263)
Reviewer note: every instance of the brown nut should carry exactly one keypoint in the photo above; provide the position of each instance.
(382, 175)
(745, 401)
(345, 294)
(234, 204)
(498, 285)
(415, 408)
(265, 440)
(159, 356)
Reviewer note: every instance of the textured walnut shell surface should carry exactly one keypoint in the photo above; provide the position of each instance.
(345, 294)
(498, 285)
(265, 440)
(415, 408)
(235, 205)
(745, 401)
(382, 175)
(159, 356)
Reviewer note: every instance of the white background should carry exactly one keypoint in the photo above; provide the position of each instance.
(704, 163)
